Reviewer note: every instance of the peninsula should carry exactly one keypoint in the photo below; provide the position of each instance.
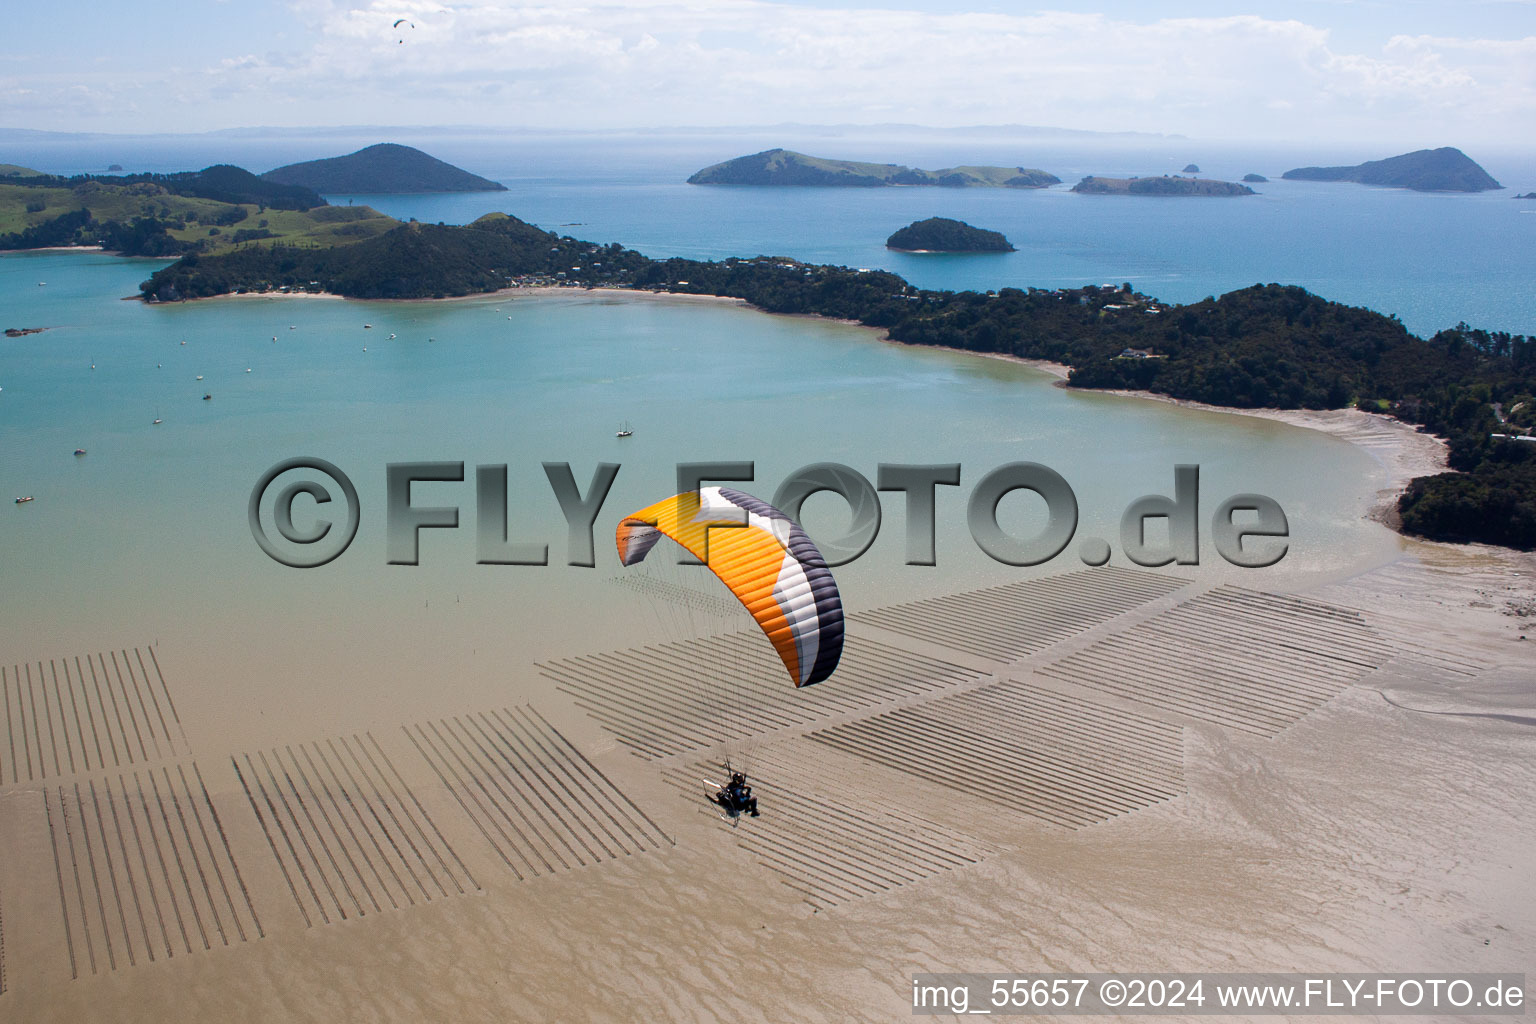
(785, 167)
(386, 168)
(1264, 346)
(1426, 170)
(941, 234)
(207, 211)
(1165, 185)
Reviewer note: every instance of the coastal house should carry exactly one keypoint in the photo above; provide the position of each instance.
(1137, 353)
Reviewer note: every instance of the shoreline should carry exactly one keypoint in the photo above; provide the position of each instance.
(527, 291)
(64, 248)
(1397, 446)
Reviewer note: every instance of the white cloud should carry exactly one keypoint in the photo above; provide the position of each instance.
(653, 62)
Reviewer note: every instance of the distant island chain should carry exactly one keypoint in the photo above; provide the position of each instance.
(1426, 170)
(1264, 346)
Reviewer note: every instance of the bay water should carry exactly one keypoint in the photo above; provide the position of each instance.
(146, 536)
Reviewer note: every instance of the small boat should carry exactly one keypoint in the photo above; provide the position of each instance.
(21, 501)
(183, 342)
(625, 430)
(367, 327)
(390, 338)
(293, 327)
(41, 284)
(157, 421)
(79, 451)
(207, 397)
(247, 369)
(199, 376)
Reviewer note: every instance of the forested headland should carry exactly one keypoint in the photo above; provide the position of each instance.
(1264, 346)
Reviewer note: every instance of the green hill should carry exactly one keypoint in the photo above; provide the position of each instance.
(1426, 170)
(1264, 346)
(226, 183)
(385, 168)
(174, 214)
(1164, 185)
(940, 234)
(18, 171)
(785, 167)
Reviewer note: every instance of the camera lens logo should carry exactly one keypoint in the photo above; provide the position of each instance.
(295, 547)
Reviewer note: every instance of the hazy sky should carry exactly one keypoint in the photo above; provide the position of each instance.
(1457, 72)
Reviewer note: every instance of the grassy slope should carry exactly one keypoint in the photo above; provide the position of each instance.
(995, 176)
(1159, 186)
(386, 167)
(778, 160)
(325, 225)
(785, 157)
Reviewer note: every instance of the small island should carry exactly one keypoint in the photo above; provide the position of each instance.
(940, 234)
(1528, 195)
(1191, 169)
(1255, 178)
(1166, 185)
(22, 332)
(783, 167)
(1426, 170)
(1262, 346)
(383, 169)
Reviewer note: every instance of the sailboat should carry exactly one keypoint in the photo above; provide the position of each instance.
(624, 430)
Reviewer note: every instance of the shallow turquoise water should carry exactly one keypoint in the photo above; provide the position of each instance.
(146, 536)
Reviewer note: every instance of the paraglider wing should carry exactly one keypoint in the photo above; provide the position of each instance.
(769, 564)
(400, 22)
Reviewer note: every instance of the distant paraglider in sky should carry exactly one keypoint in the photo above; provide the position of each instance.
(396, 27)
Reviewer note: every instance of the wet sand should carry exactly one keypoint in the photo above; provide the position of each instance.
(1363, 836)
(1381, 821)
